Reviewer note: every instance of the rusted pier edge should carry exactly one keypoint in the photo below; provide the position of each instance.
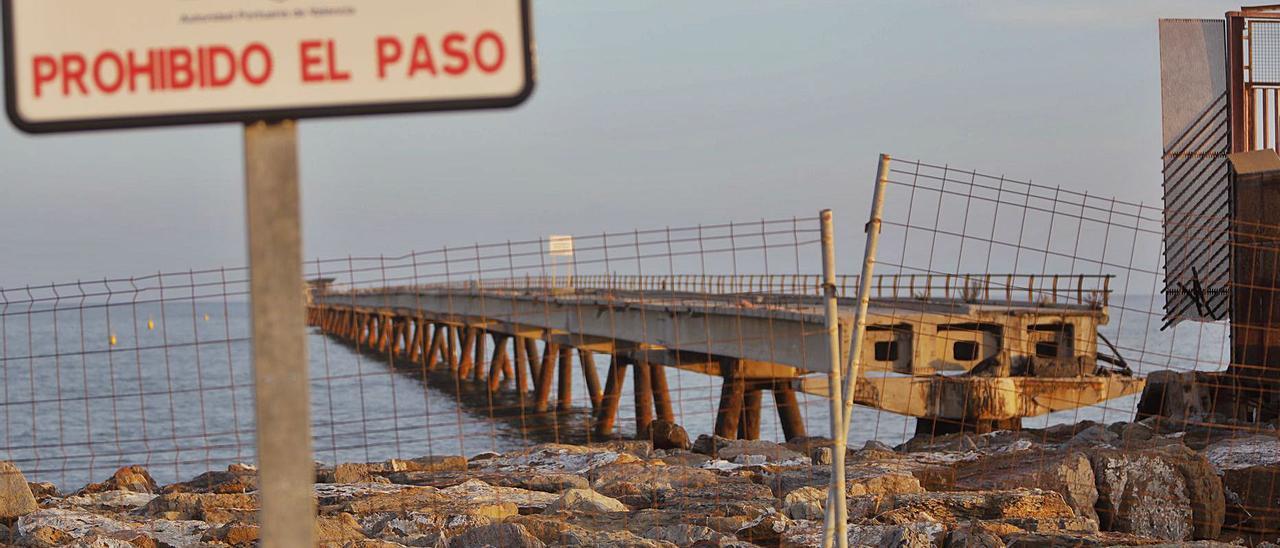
(529, 362)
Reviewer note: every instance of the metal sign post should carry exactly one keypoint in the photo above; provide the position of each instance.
(286, 472)
(76, 65)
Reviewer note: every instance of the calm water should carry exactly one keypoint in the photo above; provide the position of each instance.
(175, 394)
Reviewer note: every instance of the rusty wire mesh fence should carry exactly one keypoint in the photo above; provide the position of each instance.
(1028, 330)
(1011, 328)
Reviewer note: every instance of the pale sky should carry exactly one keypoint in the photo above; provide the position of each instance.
(646, 114)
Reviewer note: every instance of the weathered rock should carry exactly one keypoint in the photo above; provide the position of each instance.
(430, 501)
(57, 527)
(479, 492)
(117, 500)
(585, 500)
(215, 509)
(43, 489)
(861, 478)
(554, 458)
(807, 503)
(727, 449)
(1167, 492)
(666, 435)
(337, 530)
(684, 534)
(765, 530)
(648, 480)
(16, 499)
(134, 478)
(433, 463)
(808, 534)
(234, 534)
(548, 483)
(1254, 494)
(973, 537)
(352, 473)
(1029, 509)
(1092, 437)
(235, 480)
(1068, 473)
(498, 535)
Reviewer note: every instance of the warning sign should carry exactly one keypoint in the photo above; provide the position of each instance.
(93, 64)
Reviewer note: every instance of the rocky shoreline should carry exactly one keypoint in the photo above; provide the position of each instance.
(1127, 484)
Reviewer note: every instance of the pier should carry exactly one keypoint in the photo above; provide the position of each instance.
(1011, 346)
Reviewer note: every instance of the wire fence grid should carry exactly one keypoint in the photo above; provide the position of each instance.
(997, 305)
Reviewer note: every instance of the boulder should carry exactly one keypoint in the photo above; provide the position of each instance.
(1093, 436)
(498, 535)
(352, 473)
(1167, 492)
(666, 435)
(234, 534)
(684, 534)
(16, 499)
(807, 503)
(114, 500)
(134, 479)
(585, 500)
(215, 509)
(338, 530)
(808, 534)
(553, 458)
(1254, 494)
(43, 489)
(727, 449)
(238, 478)
(58, 527)
(973, 537)
(765, 530)
(1025, 508)
(1068, 473)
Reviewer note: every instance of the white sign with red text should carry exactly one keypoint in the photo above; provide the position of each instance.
(92, 64)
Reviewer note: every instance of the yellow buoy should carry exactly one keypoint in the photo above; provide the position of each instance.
(113, 339)
(151, 324)
(206, 317)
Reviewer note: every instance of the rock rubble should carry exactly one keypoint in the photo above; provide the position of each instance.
(1076, 485)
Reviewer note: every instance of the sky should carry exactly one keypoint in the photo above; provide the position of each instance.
(646, 114)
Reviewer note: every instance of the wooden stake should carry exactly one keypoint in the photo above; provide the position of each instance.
(588, 360)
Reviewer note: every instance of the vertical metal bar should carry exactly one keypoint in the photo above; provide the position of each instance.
(864, 289)
(835, 525)
(279, 336)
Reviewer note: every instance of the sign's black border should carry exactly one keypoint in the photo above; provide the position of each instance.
(248, 116)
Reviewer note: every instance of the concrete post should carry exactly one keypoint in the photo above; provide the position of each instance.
(286, 469)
